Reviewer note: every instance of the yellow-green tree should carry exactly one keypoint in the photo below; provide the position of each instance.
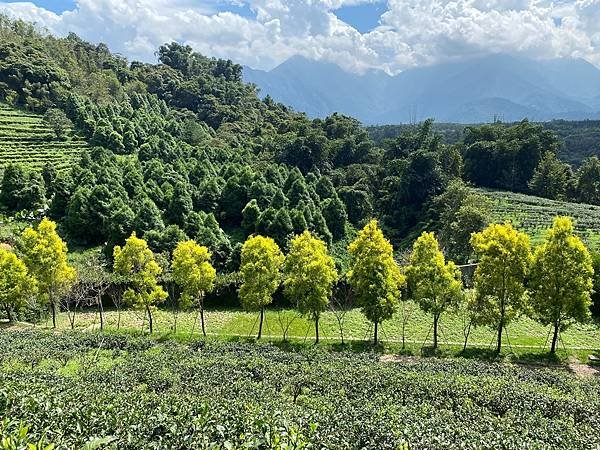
(135, 262)
(16, 285)
(374, 276)
(309, 276)
(45, 255)
(433, 283)
(504, 258)
(194, 274)
(260, 268)
(560, 282)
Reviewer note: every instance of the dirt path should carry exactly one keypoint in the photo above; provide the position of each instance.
(574, 365)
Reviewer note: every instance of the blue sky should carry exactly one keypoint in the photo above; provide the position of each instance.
(56, 6)
(363, 17)
(358, 35)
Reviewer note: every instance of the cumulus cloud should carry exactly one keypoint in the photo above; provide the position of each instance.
(411, 32)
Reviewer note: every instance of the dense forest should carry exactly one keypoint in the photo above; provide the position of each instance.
(579, 139)
(184, 149)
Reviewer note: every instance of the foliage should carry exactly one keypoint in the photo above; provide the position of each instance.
(505, 157)
(309, 276)
(374, 275)
(45, 255)
(58, 121)
(504, 263)
(560, 282)
(433, 283)
(461, 212)
(551, 178)
(193, 272)
(146, 394)
(135, 262)
(261, 262)
(17, 287)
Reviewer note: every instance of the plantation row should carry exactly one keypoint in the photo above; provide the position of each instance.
(26, 138)
(533, 215)
(132, 393)
(552, 284)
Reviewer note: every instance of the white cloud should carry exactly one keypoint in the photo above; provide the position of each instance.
(412, 32)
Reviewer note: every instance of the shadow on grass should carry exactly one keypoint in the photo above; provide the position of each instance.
(541, 358)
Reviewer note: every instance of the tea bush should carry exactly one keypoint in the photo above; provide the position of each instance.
(137, 393)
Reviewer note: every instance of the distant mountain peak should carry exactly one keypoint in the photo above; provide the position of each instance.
(473, 90)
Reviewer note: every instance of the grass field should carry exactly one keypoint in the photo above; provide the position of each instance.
(525, 336)
(26, 138)
(534, 215)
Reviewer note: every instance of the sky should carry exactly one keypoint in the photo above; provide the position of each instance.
(358, 35)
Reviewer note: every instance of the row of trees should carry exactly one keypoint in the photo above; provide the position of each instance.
(551, 284)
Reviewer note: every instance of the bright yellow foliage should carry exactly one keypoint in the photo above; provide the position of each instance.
(192, 271)
(433, 283)
(504, 258)
(135, 262)
(16, 285)
(374, 276)
(561, 277)
(309, 274)
(45, 255)
(260, 267)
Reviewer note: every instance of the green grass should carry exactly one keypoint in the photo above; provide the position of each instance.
(25, 138)
(525, 336)
(534, 215)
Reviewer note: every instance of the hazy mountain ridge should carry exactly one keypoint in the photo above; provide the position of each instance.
(477, 90)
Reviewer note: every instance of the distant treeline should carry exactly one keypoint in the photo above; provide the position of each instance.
(580, 139)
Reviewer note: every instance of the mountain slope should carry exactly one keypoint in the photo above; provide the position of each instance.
(477, 90)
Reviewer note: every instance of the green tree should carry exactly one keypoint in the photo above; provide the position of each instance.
(309, 276)
(135, 262)
(461, 212)
(551, 178)
(588, 181)
(194, 274)
(16, 285)
(374, 276)
(433, 283)
(504, 260)
(335, 216)
(45, 255)
(561, 279)
(250, 215)
(58, 121)
(260, 268)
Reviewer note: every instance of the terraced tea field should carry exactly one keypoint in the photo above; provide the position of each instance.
(26, 138)
(534, 215)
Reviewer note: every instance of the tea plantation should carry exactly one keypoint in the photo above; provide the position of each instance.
(131, 392)
(534, 215)
(26, 138)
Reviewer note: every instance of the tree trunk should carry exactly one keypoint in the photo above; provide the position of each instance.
(149, 317)
(202, 317)
(467, 333)
(8, 313)
(555, 337)
(499, 343)
(316, 329)
(262, 313)
(375, 336)
(436, 319)
(101, 312)
(53, 309)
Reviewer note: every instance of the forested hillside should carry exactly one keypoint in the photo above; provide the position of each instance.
(183, 148)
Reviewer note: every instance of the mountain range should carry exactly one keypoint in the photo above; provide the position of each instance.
(503, 87)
